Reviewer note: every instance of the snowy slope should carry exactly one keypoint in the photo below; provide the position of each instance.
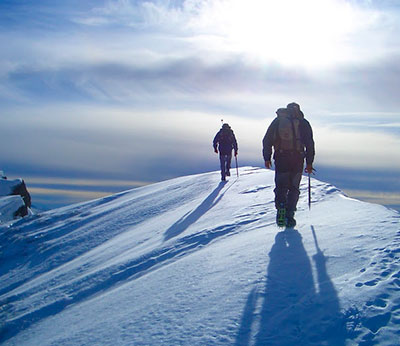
(9, 206)
(192, 261)
(8, 186)
(13, 195)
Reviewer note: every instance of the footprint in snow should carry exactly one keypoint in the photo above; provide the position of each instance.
(255, 189)
(376, 322)
(381, 301)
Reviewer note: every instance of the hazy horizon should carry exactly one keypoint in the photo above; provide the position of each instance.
(134, 91)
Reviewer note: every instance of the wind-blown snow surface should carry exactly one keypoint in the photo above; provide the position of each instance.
(9, 205)
(193, 261)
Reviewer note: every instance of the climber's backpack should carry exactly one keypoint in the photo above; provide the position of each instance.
(288, 133)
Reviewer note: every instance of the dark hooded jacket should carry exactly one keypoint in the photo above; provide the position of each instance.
(225, 141)
(271, 140)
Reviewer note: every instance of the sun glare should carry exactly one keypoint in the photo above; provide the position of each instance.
(306, 33)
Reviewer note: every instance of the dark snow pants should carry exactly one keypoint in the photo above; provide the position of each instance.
(225, 161)
(288, 172)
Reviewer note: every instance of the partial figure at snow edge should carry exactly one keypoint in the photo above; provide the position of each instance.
(224, 142)
(291, 137)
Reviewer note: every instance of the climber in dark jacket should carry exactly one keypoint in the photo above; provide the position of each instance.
(224, 142)
(291, 137)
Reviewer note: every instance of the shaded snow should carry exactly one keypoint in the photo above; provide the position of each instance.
(8, 186)
(193, 261)
(8, 207)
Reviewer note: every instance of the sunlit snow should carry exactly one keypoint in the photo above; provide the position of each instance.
(193, 261)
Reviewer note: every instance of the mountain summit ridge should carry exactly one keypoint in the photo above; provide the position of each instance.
(193, 260)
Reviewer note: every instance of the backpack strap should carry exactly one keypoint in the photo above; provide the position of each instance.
(294, 137)
(277, 138)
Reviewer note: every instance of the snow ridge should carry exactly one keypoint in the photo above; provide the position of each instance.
(193, 260)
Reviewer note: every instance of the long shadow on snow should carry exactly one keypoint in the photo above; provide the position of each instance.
(25, 247)
(29, 237)
(292, 311)
(109, 278)
(182, 224)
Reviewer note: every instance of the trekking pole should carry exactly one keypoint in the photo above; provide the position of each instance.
(237, 169)
(309, 191)
(309, 188)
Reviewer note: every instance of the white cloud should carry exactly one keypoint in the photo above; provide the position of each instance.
(210, 48)
(379, 197)
(357, 149)
(310, 33)
(65, 193)
(149, 15)
(161, 74)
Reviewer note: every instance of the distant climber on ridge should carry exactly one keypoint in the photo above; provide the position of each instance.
(292, 138)
(224, 142)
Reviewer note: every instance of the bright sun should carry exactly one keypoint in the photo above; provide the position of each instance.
(307, 33)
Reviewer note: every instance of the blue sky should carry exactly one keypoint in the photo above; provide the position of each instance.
(134, 91)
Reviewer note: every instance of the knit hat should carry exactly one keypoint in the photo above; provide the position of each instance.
(282, 111)
(293, 105)
(294, 110)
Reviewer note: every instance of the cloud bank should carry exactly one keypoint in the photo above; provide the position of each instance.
(119, 87)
